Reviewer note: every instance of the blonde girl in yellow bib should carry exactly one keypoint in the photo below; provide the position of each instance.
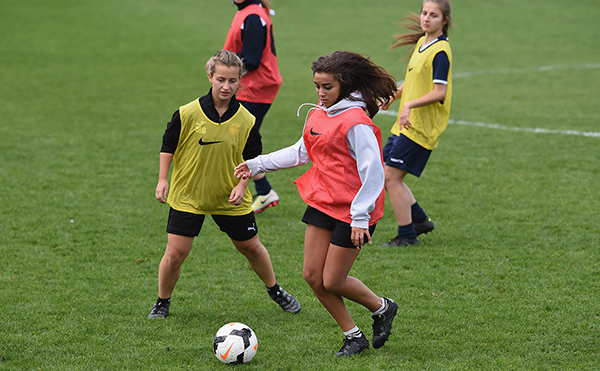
(205, 140)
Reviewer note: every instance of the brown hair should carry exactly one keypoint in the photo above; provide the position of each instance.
(228, 59)
(412, 22)
(265, 4)
(358, 74)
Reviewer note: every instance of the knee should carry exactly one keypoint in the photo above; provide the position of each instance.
(173, 258)
(332, 286)
(313, 279)
(393, 176)
(250, 248)
(391, 179)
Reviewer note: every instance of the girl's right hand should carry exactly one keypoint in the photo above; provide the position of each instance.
(392, 98)
(403, 118)
(385, 106)
(162, 190)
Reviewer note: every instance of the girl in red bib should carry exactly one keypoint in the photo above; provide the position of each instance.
(344, 188)
(251, 38)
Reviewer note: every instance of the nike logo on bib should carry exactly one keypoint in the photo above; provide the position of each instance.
(314, 133)
(203, 143)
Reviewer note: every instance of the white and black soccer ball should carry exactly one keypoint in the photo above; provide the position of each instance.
(235, 343)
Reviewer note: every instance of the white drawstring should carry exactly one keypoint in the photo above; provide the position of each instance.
(307, 113)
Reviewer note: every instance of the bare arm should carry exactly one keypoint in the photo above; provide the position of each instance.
(162, 188)
(238, 192)
(437, 94)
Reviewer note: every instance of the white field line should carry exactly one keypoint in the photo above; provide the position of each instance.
(510, 128)
(530, 69)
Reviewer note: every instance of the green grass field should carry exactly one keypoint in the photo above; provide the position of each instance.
(509, 279)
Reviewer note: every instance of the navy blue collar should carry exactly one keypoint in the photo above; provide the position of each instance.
(246, 3)
(441, 38)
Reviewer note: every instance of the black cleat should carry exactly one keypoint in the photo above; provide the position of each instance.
(353, 346)
(401, 241)
(159, 312)
(287, 302)
(424, 227)
(382, 325)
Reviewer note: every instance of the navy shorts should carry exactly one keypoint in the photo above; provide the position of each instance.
(341, 231)
(404, 154)
(237, 227)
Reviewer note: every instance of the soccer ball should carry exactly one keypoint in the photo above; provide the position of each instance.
(235, 343)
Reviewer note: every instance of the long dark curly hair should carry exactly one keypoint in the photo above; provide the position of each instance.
(358, 74)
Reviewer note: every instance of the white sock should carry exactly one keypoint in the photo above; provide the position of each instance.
(353, 333)
(383, 308)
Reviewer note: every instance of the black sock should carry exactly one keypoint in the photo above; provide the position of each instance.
(262, 186)
(418, 215)
(273, 291)
(407, 231)
(163, 302)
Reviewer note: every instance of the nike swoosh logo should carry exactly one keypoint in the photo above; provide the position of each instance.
(314, 133)
(410, 69)
(224, 356)
(203, 143)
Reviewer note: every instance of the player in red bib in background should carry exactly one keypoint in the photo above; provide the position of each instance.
(251, 38)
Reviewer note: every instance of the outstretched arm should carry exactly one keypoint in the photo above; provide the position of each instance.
(285, 158)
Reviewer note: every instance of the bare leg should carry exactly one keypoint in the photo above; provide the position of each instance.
(336, 280)
(259, 259)
(326, 270)
(400, 195)
(178, 248)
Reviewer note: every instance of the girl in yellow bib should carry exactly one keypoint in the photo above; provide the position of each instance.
(426, 95)
(205, 139)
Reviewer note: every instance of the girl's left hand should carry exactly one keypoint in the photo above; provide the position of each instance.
(360, 236)
(237, 195)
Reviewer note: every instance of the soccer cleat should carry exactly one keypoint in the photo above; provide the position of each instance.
(353, 346)
(423, 227)
(287, 302)
(401, 241)
(159, 312)
(263, 202)
(382, 325)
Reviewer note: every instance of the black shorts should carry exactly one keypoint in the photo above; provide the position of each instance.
(404, 154)
(342, 231)
(237, 227)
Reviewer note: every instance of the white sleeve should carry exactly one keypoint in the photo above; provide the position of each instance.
(364, 147)
(285, 158)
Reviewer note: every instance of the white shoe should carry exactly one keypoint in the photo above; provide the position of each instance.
(263, 202)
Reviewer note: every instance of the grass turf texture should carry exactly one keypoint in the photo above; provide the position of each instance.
(508, 279)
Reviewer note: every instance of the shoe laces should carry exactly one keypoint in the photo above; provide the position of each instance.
(283, 298)
(160, 309)
(378, 322)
